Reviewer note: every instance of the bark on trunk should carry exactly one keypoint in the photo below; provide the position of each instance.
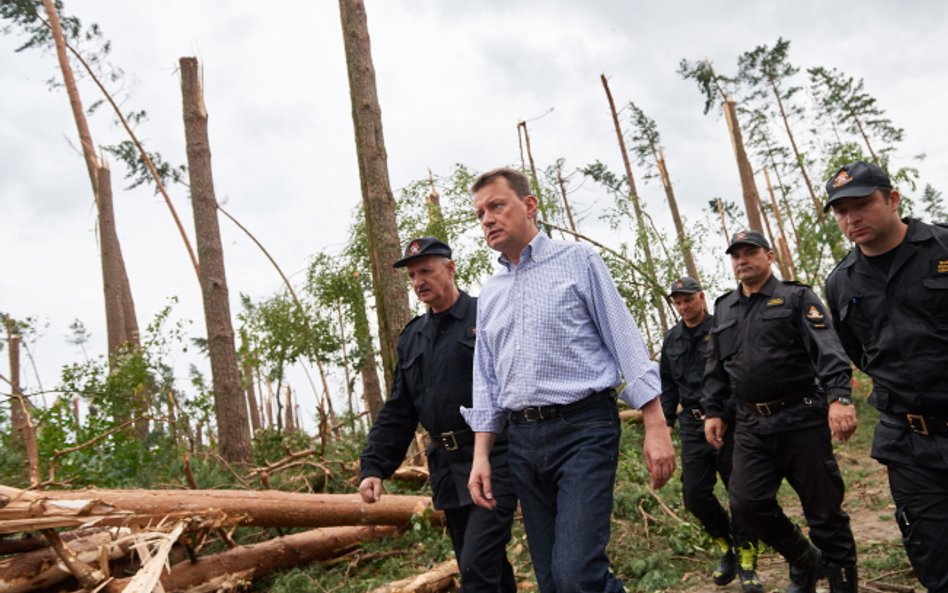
(439, 578)
(744, 168)
(676, 216)
(634, 197)
(561, 182)
(719, 203)
(391, 295)
(817, 206)
(28, 510)
(371, 388)
(246, 563)
(119, 308)
(784, 246)
(251, 397)
(230, 407)
(20, 417)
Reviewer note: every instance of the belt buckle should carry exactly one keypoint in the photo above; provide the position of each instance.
(698, 414)
(917, 424)
(533, 414)
(764, 409)
(449, 441)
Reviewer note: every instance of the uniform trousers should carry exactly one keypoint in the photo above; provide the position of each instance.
(805, 458)
(921, 509)
(479, 537)
(701, 464)
(564, 470)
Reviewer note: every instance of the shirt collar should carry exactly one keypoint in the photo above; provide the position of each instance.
(534, 251)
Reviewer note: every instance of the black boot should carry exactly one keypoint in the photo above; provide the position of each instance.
(842, 578)
(727, 566)
(806, 563)
(747, 568)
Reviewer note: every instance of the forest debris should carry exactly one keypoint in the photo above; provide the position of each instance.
(634, 416)
(39, 569)
(29, 510)
(435, 580)
(152, 563)
(246, 563)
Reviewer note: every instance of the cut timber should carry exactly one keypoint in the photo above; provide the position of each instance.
(245, 563)
(28, 510)
(437, 579)
(633, 416)
(42, 568)
(411, 474)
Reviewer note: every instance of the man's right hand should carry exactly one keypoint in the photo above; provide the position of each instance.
(371, 489)
(714, 429)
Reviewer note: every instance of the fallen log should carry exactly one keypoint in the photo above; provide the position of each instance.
(437, 579)
(42, 568)
(633, 416)
(29, 510)
(243, 564)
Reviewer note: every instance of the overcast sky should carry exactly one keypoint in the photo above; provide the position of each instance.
(454, 78)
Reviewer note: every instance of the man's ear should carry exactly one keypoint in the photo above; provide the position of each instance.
(532, 204)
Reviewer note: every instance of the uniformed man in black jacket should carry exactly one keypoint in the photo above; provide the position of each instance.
(684, 355)
(432, 382)
(770, 343)
(889, 301)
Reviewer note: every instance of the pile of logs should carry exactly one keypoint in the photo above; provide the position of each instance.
(97, 537)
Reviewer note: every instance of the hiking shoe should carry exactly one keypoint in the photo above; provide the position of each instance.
(727, 566)
(747, 569)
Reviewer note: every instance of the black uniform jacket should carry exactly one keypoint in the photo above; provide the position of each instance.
(681, 368)
(773, 345)
(432, 381)
(895, 328)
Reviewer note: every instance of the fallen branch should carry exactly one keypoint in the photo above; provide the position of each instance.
(245, 563)
(89, 577)
(435, 580)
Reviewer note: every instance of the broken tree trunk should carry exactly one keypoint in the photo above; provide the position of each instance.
(744, 168)
(28, 510)
(230, 407)
(643, 238)
(381, 228)
(20, 415)
(439, 578)
(42, 568)
(246, 563)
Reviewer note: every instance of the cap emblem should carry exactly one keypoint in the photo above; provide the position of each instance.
(741, 236)
(841, 179)
(414, 248)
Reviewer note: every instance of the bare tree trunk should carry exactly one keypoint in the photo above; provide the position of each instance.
(371, 389)
(720, 208)
(28, 510)
(569, 211)
(534, 180)
(345, 356)
(818, 207)
(251, 397)
(744, 169)
(433, 204)
(40, 569)
(119, 308)
(391, 295)
(634, 197)
(676, 217)
(290, 423)
(784, 247)
(439, 578)
(20, 412)
(778, 254)
(230, 406)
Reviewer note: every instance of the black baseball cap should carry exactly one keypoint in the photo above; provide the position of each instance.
(423, 247)
(747, 238)
(858, 179)
(685, 285)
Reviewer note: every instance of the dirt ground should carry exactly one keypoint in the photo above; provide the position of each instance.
(871, 513)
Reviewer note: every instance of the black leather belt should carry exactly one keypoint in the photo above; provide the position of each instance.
(772, 407)
(541, 413)
(452, 440)
(918, 423)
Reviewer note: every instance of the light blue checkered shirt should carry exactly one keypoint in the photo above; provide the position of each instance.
(553, 329)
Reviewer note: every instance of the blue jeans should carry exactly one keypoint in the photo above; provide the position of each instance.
(564, 470)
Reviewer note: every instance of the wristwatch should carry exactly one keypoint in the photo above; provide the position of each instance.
(843, 399)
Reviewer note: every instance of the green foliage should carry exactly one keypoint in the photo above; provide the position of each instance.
(933, 205)
(711, 84)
